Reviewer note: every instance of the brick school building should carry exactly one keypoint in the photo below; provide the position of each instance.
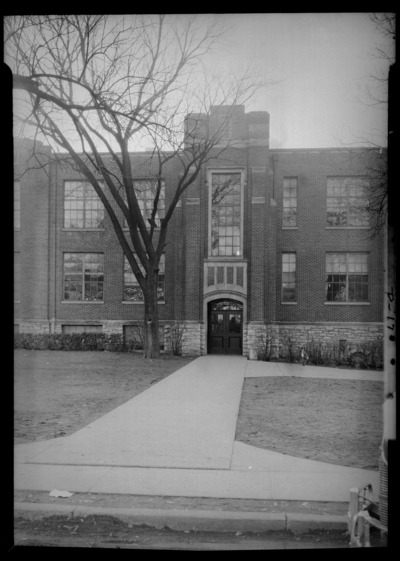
(266, 241)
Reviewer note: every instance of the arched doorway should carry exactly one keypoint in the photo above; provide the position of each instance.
(225, 327)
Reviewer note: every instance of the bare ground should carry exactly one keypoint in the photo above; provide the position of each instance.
(57, 393)
(334, 421)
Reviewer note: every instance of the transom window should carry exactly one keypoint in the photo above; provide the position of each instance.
(83, 276)
(145, 190)
(347, 201)
(225, 214)
(288, 277)
(218, 305)
(17, 205)
(82, 206)
(132, 290)
(290, 201)
(347, 277)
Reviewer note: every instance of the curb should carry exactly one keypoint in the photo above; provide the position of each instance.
(200, 520)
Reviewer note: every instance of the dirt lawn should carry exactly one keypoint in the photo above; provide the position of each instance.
(334, 421)
(57, 393)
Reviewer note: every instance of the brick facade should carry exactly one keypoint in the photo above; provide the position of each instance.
(42, 240)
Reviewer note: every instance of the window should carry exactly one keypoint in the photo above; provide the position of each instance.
(82, 206)
(288, 277)
(346, 201)
(17, 205)
(132, 290)
(290, 201)
(347, 277)
(17, 277)
(226, 214)
(69, 329)
(145, 190)
(83, 276)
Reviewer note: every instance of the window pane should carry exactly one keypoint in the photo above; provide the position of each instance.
(225, 213)
(83, 276)
(288, 277)
(352, 285)
(132, 291)
(289, 201)
(347, 201)
(82, 206)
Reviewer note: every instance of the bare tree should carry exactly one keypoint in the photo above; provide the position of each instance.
(93, 86)
(374, 159)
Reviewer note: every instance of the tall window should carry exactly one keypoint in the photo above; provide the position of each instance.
(17, 277)
(225, 214)
(288, 277)
(347, 201)
(82, 206)
(83, 276)
(145, 191)
(17, 204)
(347, 277)
(132, 290)
(290, 201)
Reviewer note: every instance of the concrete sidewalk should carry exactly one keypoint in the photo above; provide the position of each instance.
(177, 439)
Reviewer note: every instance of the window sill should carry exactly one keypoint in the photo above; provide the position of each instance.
(83, 229)
(289, 303)
(225, 258)
(347, 227)
(347, 303)
(82, 301)
(138, 302)
(290, 227)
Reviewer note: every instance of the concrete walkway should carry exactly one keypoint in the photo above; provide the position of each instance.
(178, 439)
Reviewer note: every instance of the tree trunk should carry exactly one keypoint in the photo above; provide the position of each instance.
(151, 344)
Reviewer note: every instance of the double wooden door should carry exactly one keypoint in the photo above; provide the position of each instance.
(225, 328)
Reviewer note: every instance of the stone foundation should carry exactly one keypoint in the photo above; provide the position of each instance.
(277, 335)
(298, 334)
(35, 326)
(193, 340)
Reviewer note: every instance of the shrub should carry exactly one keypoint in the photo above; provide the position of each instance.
(316, 352)
(115, 343)
(264, 345)
(288, 343)
(177, 338)
(70, 342)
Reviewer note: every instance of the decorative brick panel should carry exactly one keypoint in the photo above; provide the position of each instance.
(210, 276)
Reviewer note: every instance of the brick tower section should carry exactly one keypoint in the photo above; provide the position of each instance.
(34, 234)
(192, 251)
(257, 186)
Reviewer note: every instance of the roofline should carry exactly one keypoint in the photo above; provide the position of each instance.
(333, 149)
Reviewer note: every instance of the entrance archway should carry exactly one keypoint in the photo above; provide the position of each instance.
(225, 327)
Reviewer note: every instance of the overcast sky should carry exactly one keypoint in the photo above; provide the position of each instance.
(321, 63)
